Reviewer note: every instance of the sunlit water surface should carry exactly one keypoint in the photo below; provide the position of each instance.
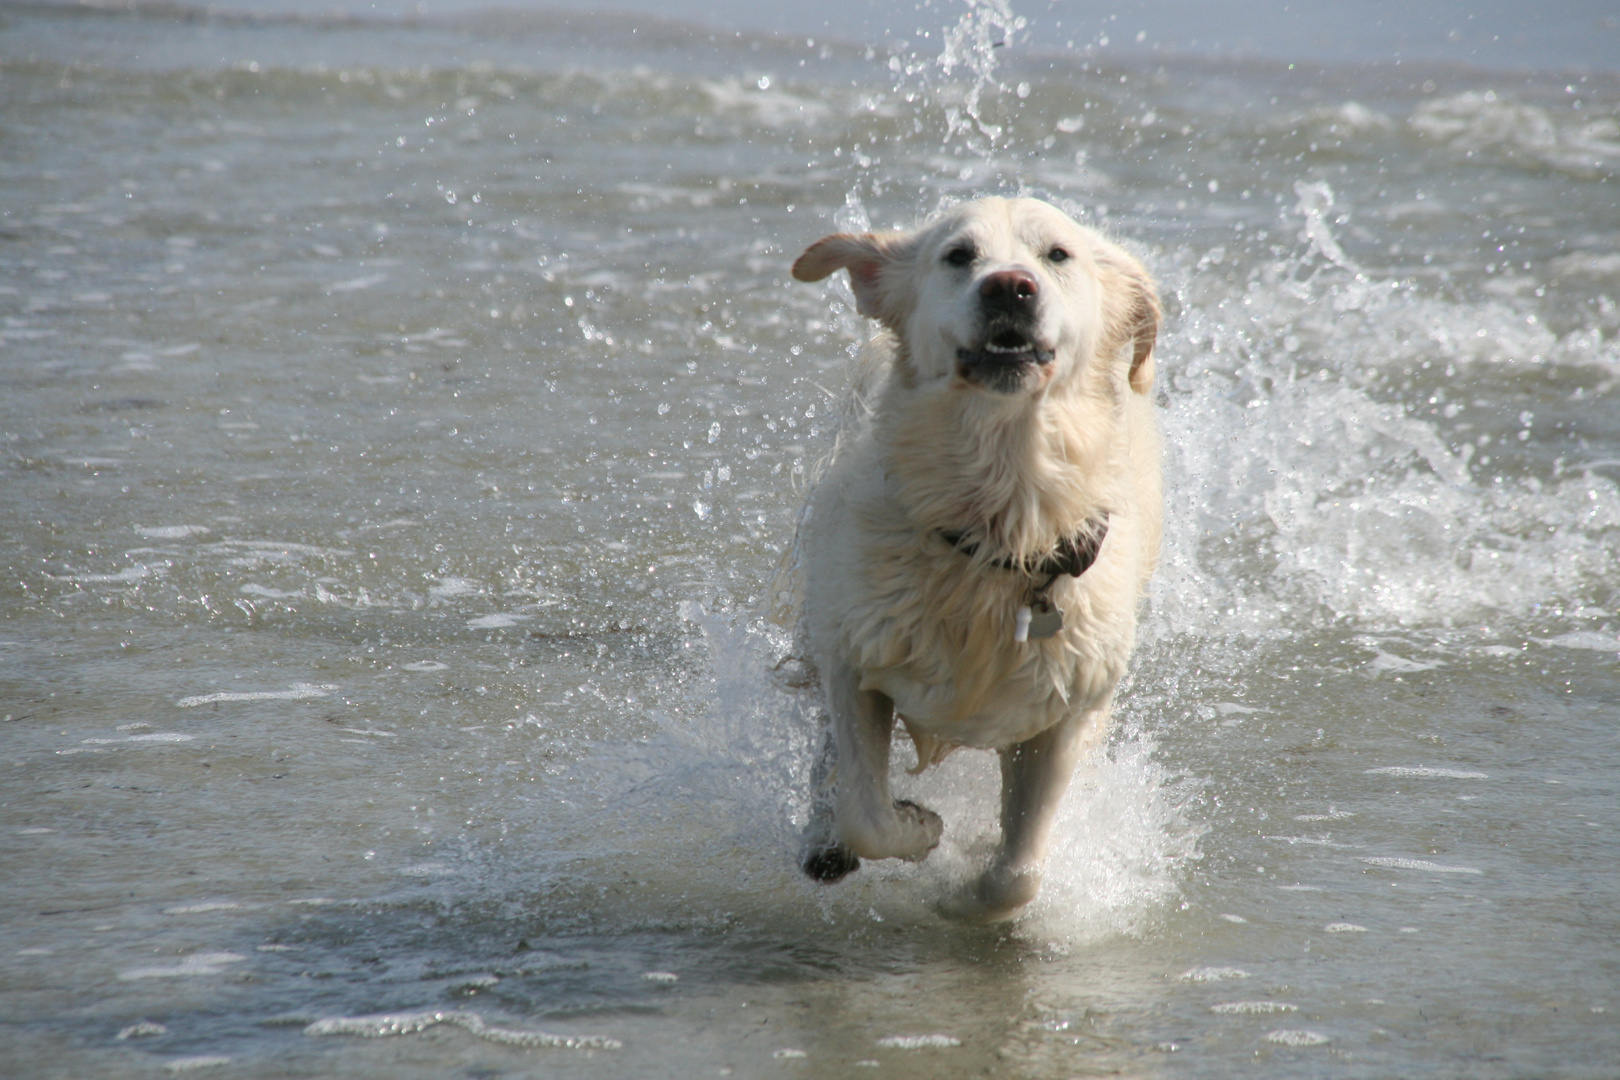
(401, 430)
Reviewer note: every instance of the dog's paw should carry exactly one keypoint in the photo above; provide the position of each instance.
(921, 827)
(905, 831)
(830, 863)
(997, 894)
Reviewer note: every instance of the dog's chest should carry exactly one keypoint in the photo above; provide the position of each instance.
(1016, 709)
(956, 670)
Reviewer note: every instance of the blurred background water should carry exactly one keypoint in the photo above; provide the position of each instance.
(404, 417)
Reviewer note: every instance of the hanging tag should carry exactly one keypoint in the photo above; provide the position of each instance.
(1021, 622)
(1045, 619)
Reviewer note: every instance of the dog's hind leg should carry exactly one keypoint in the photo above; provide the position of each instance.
(871, 823)
(1034, 775)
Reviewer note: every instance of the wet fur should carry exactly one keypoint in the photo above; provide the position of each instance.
(902, 625)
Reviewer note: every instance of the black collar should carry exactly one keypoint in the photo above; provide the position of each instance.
(1074, 554)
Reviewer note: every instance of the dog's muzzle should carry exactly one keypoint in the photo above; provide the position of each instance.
(1007, 353)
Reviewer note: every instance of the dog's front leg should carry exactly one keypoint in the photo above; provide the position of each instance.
(870, 823)
(1034, 776)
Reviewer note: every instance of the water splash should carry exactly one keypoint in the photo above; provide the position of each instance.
(1307, 488)
(1315, 200)
(955, 96)
(971, 45)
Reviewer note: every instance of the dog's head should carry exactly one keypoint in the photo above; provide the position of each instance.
(1005, 296)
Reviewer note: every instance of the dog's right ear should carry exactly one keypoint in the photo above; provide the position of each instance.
(867, 257)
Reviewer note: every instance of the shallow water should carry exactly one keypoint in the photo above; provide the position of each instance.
(402, 428)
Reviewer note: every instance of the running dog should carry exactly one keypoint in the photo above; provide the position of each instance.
(975, 555)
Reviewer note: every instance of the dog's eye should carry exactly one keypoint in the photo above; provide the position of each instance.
(1057, 255)
(959, 256)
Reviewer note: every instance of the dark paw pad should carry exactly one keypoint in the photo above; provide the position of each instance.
(829, 864)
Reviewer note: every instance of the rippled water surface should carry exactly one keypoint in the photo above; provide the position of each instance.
(401, 429)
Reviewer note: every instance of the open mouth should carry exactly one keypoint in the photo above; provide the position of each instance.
(1004, 348)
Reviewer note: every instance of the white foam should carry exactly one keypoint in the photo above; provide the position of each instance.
(142, 1029)
(425, 665)
(151, 737)
(252, 589)
(255, 553)
(200, 909)
(1500, 651)
(495, 621)
(211, 963)
(379, 1025)
(1344, 928)
(1418, 864)
(453, 586)
(127, 576)
(1212, 974)
(919, 1042)
(426, 869)
(170, 532)
(1253, 1007)
(1297, 1037)
(1584, 639)
(789, 1052)
(1424, 770)
(197, 1061)
(660, 976)
(1597, 264)
(356, 284)
(299, 692)
(1390, 662)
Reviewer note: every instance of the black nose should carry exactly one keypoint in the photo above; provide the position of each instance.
(1012, 291)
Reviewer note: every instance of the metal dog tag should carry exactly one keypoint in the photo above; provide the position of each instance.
(1041, 620)
(1045, 619)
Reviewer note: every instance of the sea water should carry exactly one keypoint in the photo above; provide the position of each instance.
(403, 425)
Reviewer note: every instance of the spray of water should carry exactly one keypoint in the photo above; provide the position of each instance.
(1304, 492)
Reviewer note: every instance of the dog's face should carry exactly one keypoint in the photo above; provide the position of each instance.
(1001, 290)
(1001, 296)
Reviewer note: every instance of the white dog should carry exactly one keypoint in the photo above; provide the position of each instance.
(976, 552)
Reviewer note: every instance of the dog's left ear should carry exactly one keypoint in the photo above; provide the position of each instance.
(867, 257)
(1130, 312)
